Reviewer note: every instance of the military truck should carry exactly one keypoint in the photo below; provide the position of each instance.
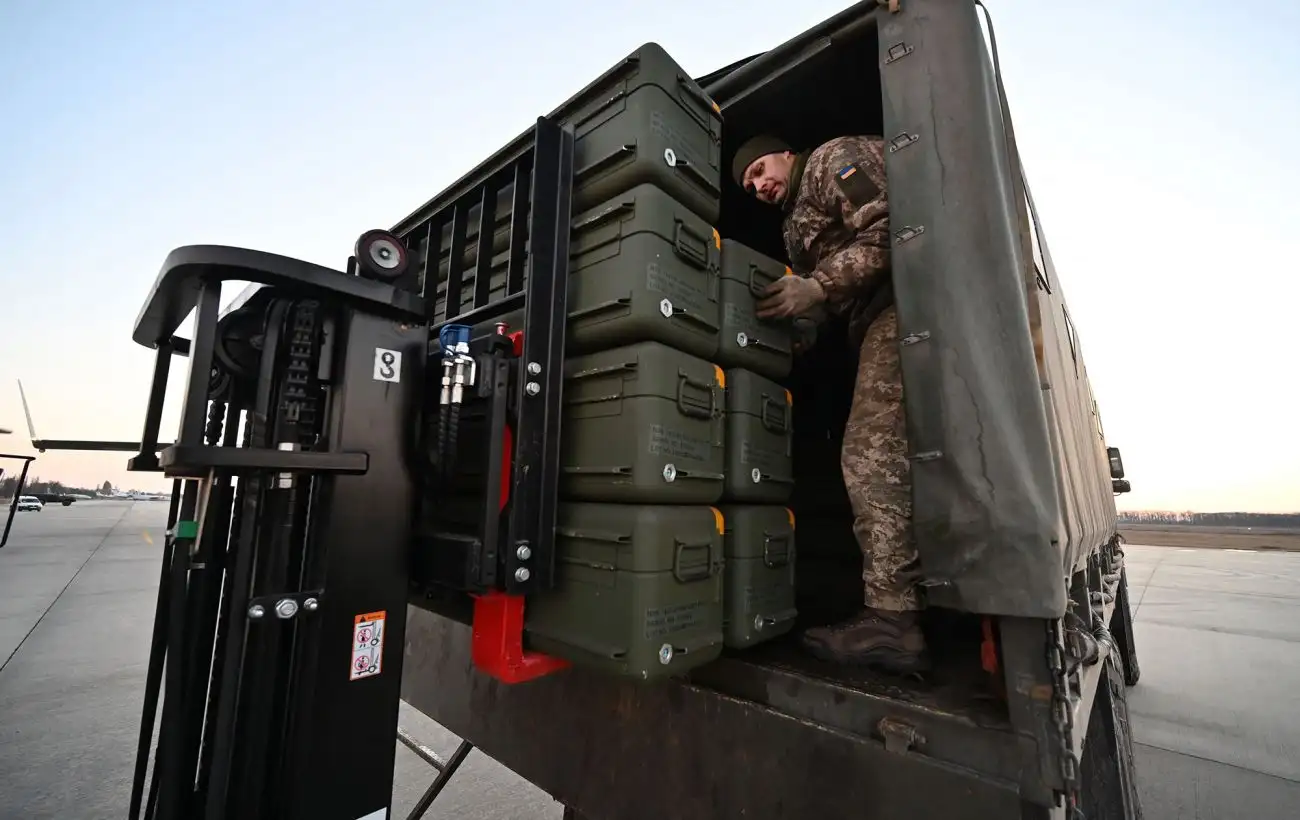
(532, 463)
(1014, 484)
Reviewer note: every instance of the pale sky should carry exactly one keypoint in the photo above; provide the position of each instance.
(1160, 139)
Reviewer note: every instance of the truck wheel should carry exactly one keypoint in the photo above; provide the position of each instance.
(1107, 770)
(1122, 630)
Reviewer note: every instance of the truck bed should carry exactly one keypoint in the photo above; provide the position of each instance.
(770, 723)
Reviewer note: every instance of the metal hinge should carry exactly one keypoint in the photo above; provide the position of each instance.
(899, 736)
(897, 52)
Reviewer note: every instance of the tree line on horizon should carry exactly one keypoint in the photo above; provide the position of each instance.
(1215, 519)
(36, 485)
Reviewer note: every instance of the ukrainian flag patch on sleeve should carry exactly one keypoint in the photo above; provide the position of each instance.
(856, 185)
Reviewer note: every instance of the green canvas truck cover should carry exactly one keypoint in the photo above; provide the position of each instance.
(1010, 485)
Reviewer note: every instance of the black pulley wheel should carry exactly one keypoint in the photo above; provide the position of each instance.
(380, 255)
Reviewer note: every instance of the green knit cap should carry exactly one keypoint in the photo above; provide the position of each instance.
(752, 149)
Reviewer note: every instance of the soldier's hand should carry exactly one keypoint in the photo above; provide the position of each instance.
(790, 296)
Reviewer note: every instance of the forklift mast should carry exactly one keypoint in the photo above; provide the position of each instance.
(301, 456)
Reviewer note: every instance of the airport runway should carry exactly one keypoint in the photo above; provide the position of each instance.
(1217, 713)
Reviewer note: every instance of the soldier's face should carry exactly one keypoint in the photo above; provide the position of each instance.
(767, 178)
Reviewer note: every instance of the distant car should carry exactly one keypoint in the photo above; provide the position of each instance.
(27, 503)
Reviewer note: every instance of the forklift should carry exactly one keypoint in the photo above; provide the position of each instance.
(319, 567)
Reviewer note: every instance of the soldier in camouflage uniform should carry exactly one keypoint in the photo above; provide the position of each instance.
(836, 231)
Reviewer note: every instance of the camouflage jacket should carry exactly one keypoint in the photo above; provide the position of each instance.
(836, 227)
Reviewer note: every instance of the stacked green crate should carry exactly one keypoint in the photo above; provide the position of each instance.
(759, 538)
(649, 448)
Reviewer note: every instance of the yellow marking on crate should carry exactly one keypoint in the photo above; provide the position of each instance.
(718, 520)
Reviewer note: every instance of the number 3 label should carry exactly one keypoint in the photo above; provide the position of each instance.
(388, 365)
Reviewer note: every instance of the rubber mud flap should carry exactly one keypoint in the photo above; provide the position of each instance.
(759, 581)
(638, 589)
(642, 267)
(765, 347)
(760, 424)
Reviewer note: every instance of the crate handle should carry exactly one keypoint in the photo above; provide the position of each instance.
(771, 558)
(696, 572)
(697, 253)
(602, 307)
(693, 318)
(615, 157)
(745, 340)
(607, 215)
(606, 537)
(606, 370)
(688, 409)
(697, 94)
(778, 421)
(755, 274)
(687, 169)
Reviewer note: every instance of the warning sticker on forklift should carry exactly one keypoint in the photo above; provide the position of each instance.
(367, 645)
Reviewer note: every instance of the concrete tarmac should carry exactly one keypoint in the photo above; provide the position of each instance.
(1216, 714)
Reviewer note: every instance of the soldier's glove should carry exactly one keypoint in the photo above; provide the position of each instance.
(790, 296)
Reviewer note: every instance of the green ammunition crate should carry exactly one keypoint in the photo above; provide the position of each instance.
(642, 267)
(642, 121)
(763, 346)
(760, 460)
(759, 586)
(638, 589)
(642, 424)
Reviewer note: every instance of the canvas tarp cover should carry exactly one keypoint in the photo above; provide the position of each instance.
(1007, 461)
(1008, 473)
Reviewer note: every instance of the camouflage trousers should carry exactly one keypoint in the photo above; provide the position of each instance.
(877, 473)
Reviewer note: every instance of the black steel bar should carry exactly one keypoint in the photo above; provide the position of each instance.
(190, 268)
(18, 491)
(541, 375)
(194, 409)
(440, 782)
(484, 560)
(229, 505)
(518, 228)
(203, 597)
(1029, 686)
(455, 259)
(432, 247)
(486, 230)
(147, 459)
(229, 723)
(197, 460)
(344, 745)
(485, 313)
(173, 789)
(157, 650)
(423, 752)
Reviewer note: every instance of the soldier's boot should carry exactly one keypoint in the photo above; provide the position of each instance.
(877, 638)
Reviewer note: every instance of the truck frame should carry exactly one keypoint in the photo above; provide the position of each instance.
(316, 390)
